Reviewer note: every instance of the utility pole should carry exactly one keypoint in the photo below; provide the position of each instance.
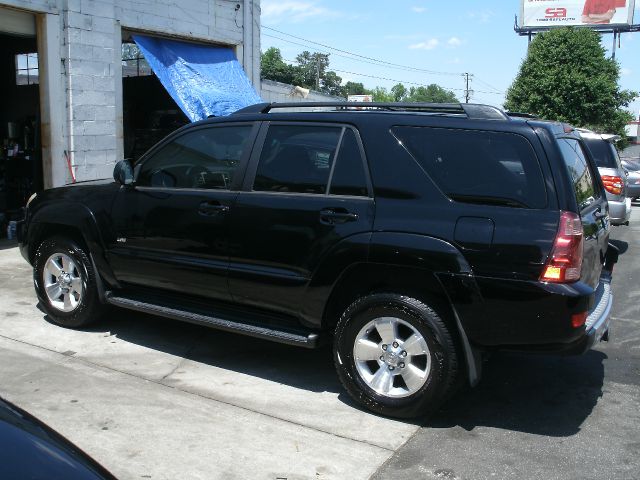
(467, 92)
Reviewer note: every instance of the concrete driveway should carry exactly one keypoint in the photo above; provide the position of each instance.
(152, 398)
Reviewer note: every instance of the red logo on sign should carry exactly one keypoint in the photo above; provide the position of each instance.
(555, 13)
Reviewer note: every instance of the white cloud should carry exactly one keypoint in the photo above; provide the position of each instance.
(294, 11)
(454, 42)
(625, 71)
(428, 45)
(454, 61)
(419, 9)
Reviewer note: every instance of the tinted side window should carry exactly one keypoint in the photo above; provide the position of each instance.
(203, 158)
(348, 174)
(602, 152)
(579, 171)
(297, 159)
(478, 166)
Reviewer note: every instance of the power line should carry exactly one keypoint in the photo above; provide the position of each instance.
(351, 54)
(377, 62)
(497, 90)
(392, 79)
(396, 80)
(324, 51)
(408, 69)
(410, 83)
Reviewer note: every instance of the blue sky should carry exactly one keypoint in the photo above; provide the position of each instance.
(451, 37)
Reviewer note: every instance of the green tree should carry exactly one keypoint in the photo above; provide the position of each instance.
(311, 69)
(355, 88)
(380, 94)
(431, 94)
(567, 77)
(331, 84)
(273, 67)
(399, 92)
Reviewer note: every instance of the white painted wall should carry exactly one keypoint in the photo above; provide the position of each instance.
(90, 33)
(281, 92)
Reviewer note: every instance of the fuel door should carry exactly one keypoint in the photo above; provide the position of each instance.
(474, 233)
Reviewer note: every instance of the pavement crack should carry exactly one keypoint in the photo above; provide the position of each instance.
(183, 359)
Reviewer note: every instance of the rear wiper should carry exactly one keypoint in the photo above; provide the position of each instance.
(507, 202)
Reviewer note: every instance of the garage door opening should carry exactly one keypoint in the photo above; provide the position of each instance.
(21, 171)
(149, 112)
(167, 83)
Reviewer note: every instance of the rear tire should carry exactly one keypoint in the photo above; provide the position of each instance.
(395, 355)
(65, 283)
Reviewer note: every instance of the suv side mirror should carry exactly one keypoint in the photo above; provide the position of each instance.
(123, 172)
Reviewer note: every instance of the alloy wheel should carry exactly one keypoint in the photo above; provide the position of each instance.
(392, 357)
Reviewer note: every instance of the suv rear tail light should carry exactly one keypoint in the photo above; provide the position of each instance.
(565, 262)
(613, 184)
(579, 319)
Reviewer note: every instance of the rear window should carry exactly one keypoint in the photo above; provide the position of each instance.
(492, 168)
(578, 168)
(604, 153)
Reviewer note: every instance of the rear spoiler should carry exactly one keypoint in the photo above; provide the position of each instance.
(608, 137)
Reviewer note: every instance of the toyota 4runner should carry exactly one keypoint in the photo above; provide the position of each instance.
(414, 237)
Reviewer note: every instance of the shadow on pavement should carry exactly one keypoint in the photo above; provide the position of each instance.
(541, 395)
(6, 244)
(294, 366)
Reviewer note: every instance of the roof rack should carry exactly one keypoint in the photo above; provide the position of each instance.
(607, 137)
(470, 110)
(522, 115)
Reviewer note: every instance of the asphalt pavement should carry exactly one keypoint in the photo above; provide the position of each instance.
(545, 417)
(152, 398)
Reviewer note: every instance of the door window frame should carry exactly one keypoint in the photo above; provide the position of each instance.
(238, 179)
(250, 173)
(593, 169)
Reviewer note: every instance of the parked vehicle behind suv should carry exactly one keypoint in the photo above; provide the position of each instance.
(414, 237)
(613, 175)
(632, 169)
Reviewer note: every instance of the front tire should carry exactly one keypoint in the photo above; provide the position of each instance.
(65, 283)
(395, 355)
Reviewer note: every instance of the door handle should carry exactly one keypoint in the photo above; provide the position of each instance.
(209, 208)
(331, 216)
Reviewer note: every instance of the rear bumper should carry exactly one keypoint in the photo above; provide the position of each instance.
(597, 324)
(620, 211)
(596, 328)
(539, 317)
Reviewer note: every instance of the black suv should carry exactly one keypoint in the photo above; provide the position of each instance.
(414, 236)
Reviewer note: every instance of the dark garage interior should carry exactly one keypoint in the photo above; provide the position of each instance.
(20, 152)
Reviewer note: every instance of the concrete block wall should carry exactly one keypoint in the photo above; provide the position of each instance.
(90, 51)
(91, 46)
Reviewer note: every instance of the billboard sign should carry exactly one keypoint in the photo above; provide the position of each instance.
(564, 13)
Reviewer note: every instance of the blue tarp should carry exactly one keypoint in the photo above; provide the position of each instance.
(203, 79)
